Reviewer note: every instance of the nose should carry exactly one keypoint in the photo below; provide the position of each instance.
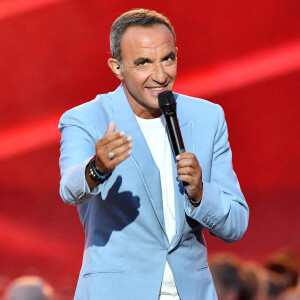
(159, 74)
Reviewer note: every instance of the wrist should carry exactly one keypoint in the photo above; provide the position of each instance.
(195, 203)
(94, 173)
(197, 200)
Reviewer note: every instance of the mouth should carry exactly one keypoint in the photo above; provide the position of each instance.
(157, 89)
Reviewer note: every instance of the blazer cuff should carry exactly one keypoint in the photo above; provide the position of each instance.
(74, 188)
(204, 213)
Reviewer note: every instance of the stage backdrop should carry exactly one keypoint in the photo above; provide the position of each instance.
(244, 55)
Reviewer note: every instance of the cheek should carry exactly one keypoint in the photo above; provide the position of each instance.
(137, 78)
(172, 71)
(175, 70)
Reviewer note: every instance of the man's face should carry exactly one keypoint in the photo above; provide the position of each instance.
(149, 66)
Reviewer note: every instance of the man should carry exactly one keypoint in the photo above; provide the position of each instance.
(143, 228)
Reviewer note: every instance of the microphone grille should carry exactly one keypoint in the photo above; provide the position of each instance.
(166, 98)
(167, 103)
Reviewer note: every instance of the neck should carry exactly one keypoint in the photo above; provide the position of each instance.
(140, 109)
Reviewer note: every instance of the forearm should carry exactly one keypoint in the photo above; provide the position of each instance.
(74, 188)
(223, 209)
(224, 215)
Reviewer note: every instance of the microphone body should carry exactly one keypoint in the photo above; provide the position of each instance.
(167, 105)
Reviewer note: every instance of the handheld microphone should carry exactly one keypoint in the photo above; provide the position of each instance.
(167, 105)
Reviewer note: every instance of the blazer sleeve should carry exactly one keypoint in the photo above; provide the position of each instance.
(78, 138)
(223, 209)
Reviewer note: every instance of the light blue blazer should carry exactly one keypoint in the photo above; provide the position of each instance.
(126, 244)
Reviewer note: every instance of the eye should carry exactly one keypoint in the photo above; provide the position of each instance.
(143, 63)
(169, 58)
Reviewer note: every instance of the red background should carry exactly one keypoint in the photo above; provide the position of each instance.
(243, 55)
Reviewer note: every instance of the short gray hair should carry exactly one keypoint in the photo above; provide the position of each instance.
(134, 17)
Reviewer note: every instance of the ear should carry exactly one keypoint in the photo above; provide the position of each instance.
(115, 67)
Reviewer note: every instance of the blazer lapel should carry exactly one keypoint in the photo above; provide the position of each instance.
(141, 155)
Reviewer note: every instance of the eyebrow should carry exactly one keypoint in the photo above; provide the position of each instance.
(141, 59)
(146, 59)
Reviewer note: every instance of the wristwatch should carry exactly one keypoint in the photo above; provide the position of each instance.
(194, 203)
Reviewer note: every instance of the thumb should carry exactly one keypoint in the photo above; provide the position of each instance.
(111, 127)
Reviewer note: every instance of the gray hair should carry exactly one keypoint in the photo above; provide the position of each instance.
(134, 17)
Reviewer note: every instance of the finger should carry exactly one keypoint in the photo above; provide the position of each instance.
(193, 181)
(105, 163)
(185, 155)
(122, 148)
(186, 178)
(119, 142)
(111, 127)
(186, 171)
(110, 136)
(102, 150)
(120, 158)
(193, 163)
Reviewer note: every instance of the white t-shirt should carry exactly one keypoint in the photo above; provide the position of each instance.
(155, 133)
